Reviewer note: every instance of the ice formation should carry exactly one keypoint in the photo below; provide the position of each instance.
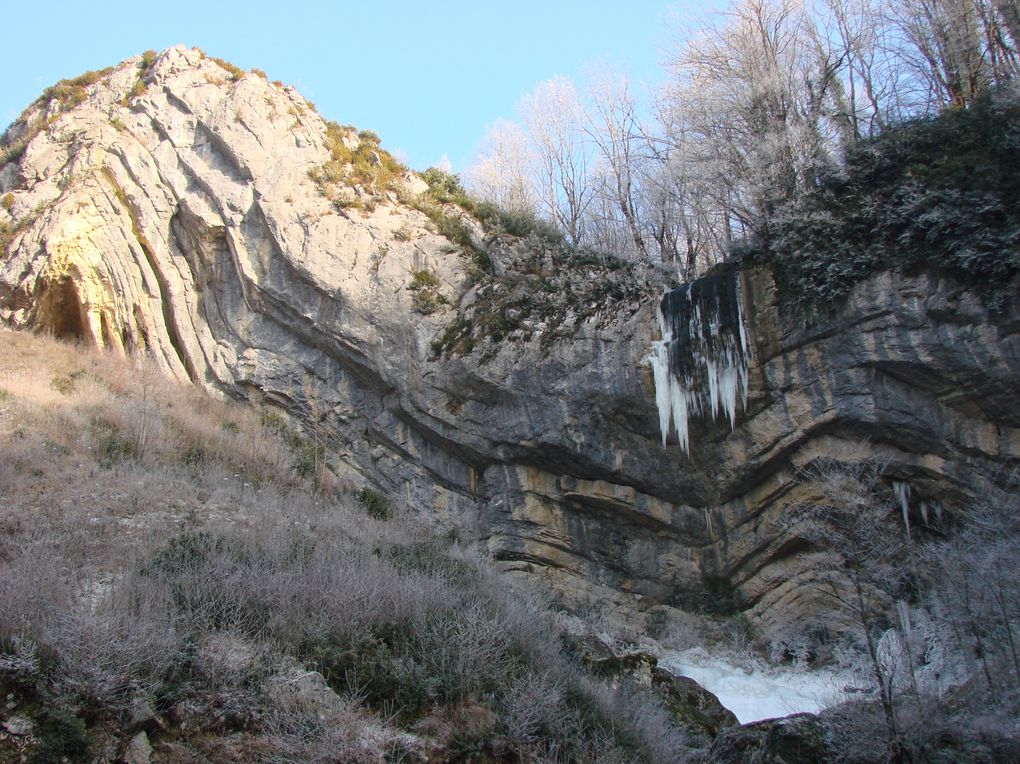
(903, 611)
(902, 491)
(700, 364)
(926, 508)
(914, 657)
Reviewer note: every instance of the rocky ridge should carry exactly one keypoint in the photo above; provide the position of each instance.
(171, 205)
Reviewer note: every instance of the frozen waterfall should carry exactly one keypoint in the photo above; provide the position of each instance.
(700, 364)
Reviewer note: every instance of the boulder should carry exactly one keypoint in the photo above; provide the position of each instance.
(696, 709)
(17, 726)
(139, 750)
(796, 739)
(142, 717)
(600, 655)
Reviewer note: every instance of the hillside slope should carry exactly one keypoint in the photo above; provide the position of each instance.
(177, 586)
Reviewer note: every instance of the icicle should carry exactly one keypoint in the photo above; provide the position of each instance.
(660, 374)
(728, 380)
(903, 611)
(667, 331)
(924, 512)
(744, 353)
(681, 411)
(902, 491)
(701, 362)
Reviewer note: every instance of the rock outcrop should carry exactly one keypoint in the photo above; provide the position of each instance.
(697, 709)
(798, 739)
(171, 205)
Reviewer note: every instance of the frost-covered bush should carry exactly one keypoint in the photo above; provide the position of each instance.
(928, 616)
(939, 193)
(411, 634)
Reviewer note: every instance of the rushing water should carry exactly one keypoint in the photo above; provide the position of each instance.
(759, 693)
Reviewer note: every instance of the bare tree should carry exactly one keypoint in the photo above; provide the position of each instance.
(761, 102)
(612, 124)
(944, 46)
(500, 172)
(679, 207)
(851, 525)
(552, 115)
(1008, 15)
(975, 588)
(998, 20)
(748, 96)
(852, 29)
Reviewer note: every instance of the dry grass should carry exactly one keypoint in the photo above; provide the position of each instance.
(110, 447)
(161, 548)
(359, 173)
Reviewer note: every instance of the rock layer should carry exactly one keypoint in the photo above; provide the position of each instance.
(177, 215)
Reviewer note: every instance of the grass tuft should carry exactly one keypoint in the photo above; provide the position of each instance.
(359, 172)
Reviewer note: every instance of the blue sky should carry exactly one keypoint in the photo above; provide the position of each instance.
(426, 76)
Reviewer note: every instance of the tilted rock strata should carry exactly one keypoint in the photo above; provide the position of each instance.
(186, 223)
(912, 371)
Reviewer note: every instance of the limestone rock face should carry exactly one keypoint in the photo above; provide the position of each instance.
(168, 206)
(912, 371)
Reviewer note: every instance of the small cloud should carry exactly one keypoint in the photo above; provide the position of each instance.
(444, 164)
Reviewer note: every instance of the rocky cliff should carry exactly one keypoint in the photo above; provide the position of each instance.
(177, 205)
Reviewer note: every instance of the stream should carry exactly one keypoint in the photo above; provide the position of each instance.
(758, 692)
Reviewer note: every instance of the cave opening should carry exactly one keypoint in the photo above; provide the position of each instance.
(63, 310)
